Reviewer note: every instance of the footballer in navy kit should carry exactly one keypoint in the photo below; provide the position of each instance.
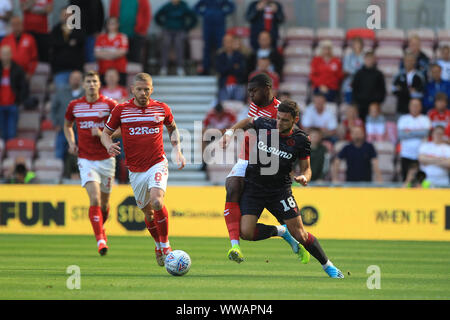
(280, 144)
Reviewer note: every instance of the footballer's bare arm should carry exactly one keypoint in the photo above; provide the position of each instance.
(244, 124)
(305, 172)
(111, 146)
(174, 136)
(70, 137)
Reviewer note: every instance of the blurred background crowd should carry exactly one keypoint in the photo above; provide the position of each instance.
(374, 102)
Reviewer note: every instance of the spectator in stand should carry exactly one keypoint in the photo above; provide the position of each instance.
(111, 50)
(214, 13)
(176, 19)
(134, 20)
(264, 15)
(23, 47)
(375, 124)
(416, 178)
(435, 84)
(368, 85)
(263, 66)
(92, 22)
(434, 158)
(444, 62)
(318, 116)
(22, 175)
(13, 91)
(239, 45)
(266, 51)
(361, 159)
(67, 51)
(408, 84)
(320, 158)
(351, 120)
(440, 114)
(412, 128)
(421, 59)
(35, 20)
(6, 8)
(60, 101)
(353, 61)
(230, 65)
(326, 72)
(113, 89)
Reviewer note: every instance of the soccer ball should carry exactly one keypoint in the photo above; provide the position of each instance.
(178, 263)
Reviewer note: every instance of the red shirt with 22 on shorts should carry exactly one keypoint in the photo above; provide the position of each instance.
(142, 132)
(89, 115)
(120, 41)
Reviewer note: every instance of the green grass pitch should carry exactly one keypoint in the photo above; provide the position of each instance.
(34, 267)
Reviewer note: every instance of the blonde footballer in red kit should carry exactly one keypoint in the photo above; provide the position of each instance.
(141, 121)
(97, 167)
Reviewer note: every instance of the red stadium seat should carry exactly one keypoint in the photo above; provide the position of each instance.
(300, 36)
(391, 37)
(20, 147)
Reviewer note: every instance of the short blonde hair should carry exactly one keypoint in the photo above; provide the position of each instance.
(144, 77)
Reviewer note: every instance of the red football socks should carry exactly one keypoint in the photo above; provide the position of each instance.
(232, 214)
(162, 223)
(151, 227)
(96, 217)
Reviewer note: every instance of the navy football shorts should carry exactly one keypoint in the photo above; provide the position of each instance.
(281, 204)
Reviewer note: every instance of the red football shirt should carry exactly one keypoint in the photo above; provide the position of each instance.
(87, 116)
(120, 41)
(7, 96)
(269, 111)
(142, 132)
(439, 119)
(36, 22)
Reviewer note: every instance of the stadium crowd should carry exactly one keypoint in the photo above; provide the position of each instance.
(374, 104)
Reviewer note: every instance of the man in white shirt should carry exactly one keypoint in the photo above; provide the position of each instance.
(434, 158)
(412, 128)
(444, 62)
(317, 116)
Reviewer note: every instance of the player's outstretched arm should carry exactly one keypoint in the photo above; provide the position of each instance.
(70, 137)
(111, 146)
(244, 124)
(175, 141)
(305, 172)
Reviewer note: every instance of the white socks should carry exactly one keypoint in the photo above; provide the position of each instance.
(326, 265)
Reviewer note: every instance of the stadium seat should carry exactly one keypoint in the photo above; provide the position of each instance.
(384, 147)
(389, 69)
(335, 35)
(42, 68)
(297, 53)
(218, 173)
(46, 148)
(20, 147)
(338, 146)
(391, 37)
(294, 88)
(367, 35)
(134, 68)
(300, 36)
(387, 54)
(386, 165)
(427, 36)
(29, 124)
(389, 107)
(48, 169)
(443, 35)
(38, 84)
(296, 72)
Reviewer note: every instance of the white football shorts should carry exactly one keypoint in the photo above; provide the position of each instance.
(101, 171)
(239, 168)
(142, 182)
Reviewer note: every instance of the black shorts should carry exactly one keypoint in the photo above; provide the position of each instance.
(281, 203)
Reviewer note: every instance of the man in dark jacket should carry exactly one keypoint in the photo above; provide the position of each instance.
(408, 84)
(214, 13)
(264, 15)
(265, 50)
(176, 19)
(230, 65)
(368, 85)
(92, 22)
(67, 51)
(13, 91)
